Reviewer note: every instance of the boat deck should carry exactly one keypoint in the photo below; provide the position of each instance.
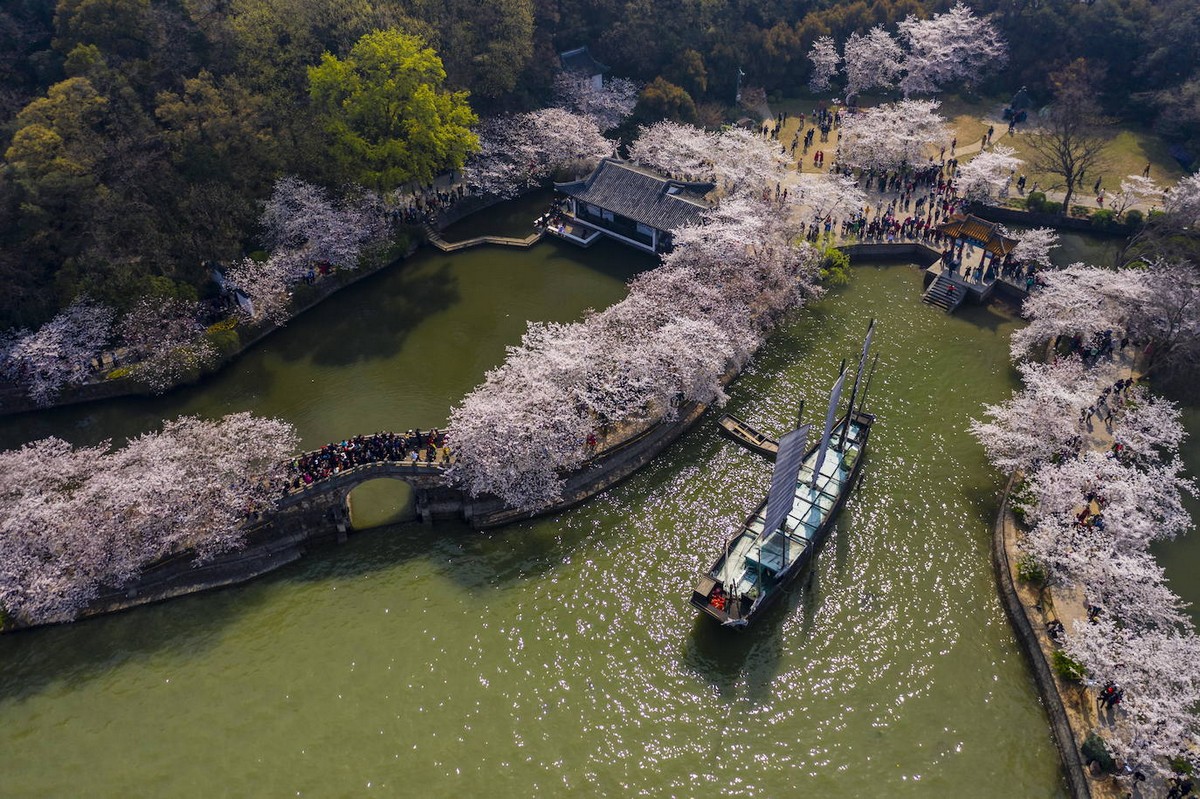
(754, 564)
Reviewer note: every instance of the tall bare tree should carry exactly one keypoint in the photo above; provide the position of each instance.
(1071, 140)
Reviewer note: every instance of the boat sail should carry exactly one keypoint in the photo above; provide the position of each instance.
(808, 488)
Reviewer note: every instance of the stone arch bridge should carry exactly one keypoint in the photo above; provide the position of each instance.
(326, 501)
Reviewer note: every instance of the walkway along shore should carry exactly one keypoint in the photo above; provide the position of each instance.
(1004, 535)
(1070, 706)
(319, 514)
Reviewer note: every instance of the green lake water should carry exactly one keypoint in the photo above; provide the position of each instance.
(560, 656)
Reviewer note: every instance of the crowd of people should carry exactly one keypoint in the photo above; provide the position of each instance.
(1109, 402)
(420, 448)
(423, 206)
(1099, 345)
(911, 202)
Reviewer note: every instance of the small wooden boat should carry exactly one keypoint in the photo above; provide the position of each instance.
(758, 443)
(808, 489)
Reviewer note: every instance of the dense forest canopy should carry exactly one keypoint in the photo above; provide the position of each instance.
(139, 136)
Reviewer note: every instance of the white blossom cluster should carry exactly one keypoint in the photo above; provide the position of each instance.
(607, 106)
(682, 327)
(519, 151)
(1158, 304)
(735, 160)
(1091, 516)
(74, 521)
(892, 135)
(987, 174)
(166, 341)
(924, 56)
(304, 227)
(59, 353)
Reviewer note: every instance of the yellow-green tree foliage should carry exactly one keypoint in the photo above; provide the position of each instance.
(389, 119)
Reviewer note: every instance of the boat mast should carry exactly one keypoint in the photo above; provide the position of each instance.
(835, 397)
(862, 362)
(863, 402)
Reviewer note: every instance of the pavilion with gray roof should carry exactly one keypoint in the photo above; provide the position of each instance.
(633, 205)
(580, 61)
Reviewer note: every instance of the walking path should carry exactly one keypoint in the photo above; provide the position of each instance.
(803, 163)
(1071, 706)
(435, 238)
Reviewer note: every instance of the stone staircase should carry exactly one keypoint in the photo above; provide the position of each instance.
(943, 293)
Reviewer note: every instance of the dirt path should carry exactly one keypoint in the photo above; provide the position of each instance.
(1067, 604)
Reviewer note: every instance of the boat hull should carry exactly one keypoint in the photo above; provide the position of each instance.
(740, 612)
(734, 428)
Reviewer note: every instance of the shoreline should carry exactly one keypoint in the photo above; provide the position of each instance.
(1066, 738)
(15, 401)
(322, 516)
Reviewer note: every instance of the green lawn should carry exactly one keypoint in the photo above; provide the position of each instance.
(1127, 153)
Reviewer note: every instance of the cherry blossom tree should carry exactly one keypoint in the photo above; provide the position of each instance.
(892, 135)
(954, 47)
(166, 340)
(60, 352)
(735, 159)
(826, 194)
(1171, 234)
(1034, 246)
(825, 63)
(1092, 515)
(1041, 420)
(1135, 190)
(607, 106)
(1080, 300)
(673, 148)
(267, 284)
(677, 333)
(987, 174)
(1148, 428)
(1169, 315)
(76, 521)
(523, 150)
(1157, 669)
(1141, 502)
(1181, 205)
(301, 217)
(873, 61)
(1160, 303)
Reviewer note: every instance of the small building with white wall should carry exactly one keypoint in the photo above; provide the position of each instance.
(630, 204)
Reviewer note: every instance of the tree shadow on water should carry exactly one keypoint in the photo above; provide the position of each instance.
(471, 559)
(363, 325)
(32, 661)
(988, 317)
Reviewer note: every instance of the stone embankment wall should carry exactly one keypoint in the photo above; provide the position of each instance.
(321, 515)
(1064, 738)
(1012, 216)
(14, 399)
(908, 252)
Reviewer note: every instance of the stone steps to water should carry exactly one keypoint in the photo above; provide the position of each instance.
(940, 295)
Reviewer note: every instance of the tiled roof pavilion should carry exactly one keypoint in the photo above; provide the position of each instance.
(581, 60)
(979, 232)
(640, 195)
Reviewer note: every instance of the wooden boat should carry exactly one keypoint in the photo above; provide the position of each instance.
(778, 539)
(758, 443)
